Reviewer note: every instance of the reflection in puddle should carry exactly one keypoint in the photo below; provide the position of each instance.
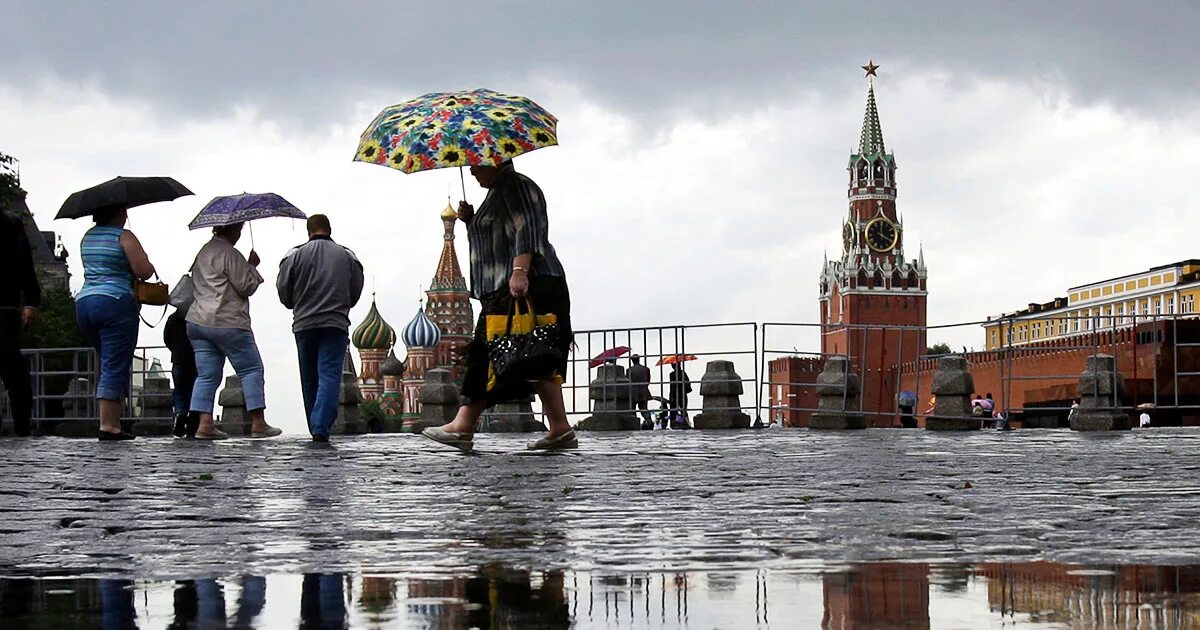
(870, 595)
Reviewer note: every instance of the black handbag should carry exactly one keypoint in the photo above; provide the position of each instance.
(531, 356)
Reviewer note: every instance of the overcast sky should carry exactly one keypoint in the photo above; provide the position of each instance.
(700, 176)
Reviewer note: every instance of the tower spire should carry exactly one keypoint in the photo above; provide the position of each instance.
(871, 140)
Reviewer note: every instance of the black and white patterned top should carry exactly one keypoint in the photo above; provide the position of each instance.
(511, 221)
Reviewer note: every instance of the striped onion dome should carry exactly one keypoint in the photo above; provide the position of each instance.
(391, 366)
(421, 332)
(373, 333)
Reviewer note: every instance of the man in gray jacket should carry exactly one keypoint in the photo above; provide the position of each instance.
(320, 281)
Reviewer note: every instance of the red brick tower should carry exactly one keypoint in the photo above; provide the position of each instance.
(449, 302)
(873, 290)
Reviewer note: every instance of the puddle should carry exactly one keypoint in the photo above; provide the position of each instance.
(843, 596)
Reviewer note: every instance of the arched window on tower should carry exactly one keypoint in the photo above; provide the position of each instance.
(897, 280)
(880, 168)
(913, 281)
(862, 278)
(862, 171)
(877, 281)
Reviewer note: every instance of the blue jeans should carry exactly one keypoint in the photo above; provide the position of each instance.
(212, 347)
(322, 351)
(111, 326)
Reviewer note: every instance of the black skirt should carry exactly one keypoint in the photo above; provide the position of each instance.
(548, 294)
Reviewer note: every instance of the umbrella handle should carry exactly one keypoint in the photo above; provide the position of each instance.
(463, 180)
(250, 224)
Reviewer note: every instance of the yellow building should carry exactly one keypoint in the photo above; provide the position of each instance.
(1167, 290)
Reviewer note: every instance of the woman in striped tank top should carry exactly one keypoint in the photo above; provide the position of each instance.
(107, 311)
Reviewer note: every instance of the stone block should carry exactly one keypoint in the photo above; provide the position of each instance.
(936, 423)
(609, 422)
(720, 379)
(836, 378)
(721, 389)
(350, 397)
(1086, 420)
(511, 417)
(953, 377)
(837, 421)
(234, 419)
(439, 400)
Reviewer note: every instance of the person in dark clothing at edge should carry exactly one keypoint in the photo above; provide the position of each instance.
(183, 372)
(20, 297)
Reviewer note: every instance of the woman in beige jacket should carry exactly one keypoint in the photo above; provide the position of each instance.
(219, 328)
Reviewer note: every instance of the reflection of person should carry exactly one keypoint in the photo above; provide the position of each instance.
(1074, 410)
(20, 296)
(183, 372)
(320, 281)
(219, 328)
(639, 383)
(679, 387)
(511, 258)
(107, 311)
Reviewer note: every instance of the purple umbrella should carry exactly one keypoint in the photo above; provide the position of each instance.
(244, 207)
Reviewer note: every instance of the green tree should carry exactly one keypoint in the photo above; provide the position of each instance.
(56, 326)
(10, 182)
(938, 348)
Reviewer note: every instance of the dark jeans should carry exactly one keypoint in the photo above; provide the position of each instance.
(14, 371)
(322, 351)
(183, 374)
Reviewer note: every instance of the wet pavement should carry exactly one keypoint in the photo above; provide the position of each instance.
(759, 510)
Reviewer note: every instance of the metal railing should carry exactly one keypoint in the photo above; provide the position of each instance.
(1031, 379)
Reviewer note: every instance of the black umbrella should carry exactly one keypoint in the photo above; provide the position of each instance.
(123, 192)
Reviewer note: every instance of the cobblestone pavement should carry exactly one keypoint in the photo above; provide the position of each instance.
(162, 508)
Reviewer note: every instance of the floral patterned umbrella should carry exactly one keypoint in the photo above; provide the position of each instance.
(447, 129)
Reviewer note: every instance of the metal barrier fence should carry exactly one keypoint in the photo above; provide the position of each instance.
(64, 384)
(1030, 377)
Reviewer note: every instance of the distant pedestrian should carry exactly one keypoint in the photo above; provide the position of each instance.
(639, 384)
(1074, 411)
(988, 404)
(183, 372)
(320, 281)
(219, 329)
(1144, 420)
(107, 311)
(20, 297)
(679, 388)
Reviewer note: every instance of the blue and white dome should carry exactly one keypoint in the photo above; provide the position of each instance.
(421, 332)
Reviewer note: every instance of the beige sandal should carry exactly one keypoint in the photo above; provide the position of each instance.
(461, 441)
(562, 442)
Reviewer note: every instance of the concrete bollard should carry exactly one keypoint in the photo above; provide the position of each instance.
(721, 389)
(349, 398)
(158, 411)
(838, 389)
(234, 419)
(953, 386)
(1100, 389)
(511, 417)
(611, 410)
(439, 401)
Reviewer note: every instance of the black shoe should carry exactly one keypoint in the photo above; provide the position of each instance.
(181, 422)
(105, 436)
(193, 424)
(320, 438)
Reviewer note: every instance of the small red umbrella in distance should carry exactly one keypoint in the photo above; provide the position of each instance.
(607, 355)
(676, 358)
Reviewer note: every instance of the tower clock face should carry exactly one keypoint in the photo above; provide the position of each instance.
(882, 234)
(847, 236)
